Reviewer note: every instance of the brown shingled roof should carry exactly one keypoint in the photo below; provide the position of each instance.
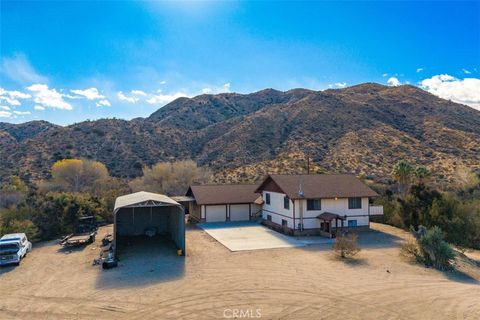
(319, 186)
(223, 193)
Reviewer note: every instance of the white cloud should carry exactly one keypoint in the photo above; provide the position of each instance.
(13, 97)
(90, 93)
(338, 85)
(7, 108)
(392, 81)
(22, 113)
(163, 82)
(5, 114)
(165, 98)
(466, 71)
(123, 97)
(10, 101)
(466, 91)
(138, 92)
(48, 97)
(419, 70)
(206, 90)
(385, 75)
(19, 69)
(103, 103)
(39, 108)
(226, 87)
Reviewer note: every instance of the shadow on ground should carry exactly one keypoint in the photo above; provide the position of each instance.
(377, 239)
(466, 270)
(7, 268)
(371, 239)
(71, 249)
(142, 262)
(460, 276)
(354, 261)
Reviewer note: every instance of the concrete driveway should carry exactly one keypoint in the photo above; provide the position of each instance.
(240, 236)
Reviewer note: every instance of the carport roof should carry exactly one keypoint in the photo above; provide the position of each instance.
(133, 199)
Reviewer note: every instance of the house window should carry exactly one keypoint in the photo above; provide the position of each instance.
(314, 204)
(269, 217)
(284, 223)
(352, 223)
(267, 198)
(286, 202)
(355, 203)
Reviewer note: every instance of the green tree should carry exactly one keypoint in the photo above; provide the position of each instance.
(402, 173)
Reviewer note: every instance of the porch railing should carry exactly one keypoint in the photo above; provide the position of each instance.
(376, 210)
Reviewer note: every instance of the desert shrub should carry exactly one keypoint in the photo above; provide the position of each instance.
(13, 192)
(14, 220)
(459, 220)
(346, 246)
(58, 213)
(434, 251)
(411, 250)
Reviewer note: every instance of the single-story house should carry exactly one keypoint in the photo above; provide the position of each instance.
(227, 202)
(316, 204)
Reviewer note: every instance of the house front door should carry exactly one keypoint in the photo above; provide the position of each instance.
(325, 226)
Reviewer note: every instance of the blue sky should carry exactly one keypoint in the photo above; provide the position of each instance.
(69, 61)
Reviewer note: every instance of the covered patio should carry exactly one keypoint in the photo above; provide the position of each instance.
(326, 226)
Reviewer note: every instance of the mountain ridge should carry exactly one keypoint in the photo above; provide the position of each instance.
(359, 129)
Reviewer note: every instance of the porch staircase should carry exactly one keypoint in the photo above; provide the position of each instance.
(257, 216)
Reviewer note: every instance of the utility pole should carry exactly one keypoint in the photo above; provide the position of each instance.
(308, 163)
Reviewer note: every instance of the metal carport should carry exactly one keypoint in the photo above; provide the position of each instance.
(138, 212)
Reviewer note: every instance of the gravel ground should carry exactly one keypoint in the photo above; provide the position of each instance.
(211, 282)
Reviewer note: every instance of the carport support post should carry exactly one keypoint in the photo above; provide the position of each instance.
(114, 233)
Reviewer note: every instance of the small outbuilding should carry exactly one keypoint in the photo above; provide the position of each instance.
(148, 215)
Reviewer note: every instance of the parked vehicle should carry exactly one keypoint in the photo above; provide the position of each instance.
(13, 248)
(84, 233)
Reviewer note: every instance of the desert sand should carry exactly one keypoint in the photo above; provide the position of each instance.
(211, 282)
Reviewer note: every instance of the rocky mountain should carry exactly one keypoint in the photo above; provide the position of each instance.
(360, 129)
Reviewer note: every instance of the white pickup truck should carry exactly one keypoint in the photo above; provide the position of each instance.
(13, 248)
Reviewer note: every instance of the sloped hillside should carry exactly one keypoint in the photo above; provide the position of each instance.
(360, 129)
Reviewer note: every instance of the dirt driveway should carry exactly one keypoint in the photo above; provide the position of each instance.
(213, 283)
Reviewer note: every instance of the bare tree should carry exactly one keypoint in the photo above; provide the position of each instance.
(77, 175)
(172, 178)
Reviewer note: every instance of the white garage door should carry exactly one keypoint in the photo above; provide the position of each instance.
(239, 212)
(215, 213)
